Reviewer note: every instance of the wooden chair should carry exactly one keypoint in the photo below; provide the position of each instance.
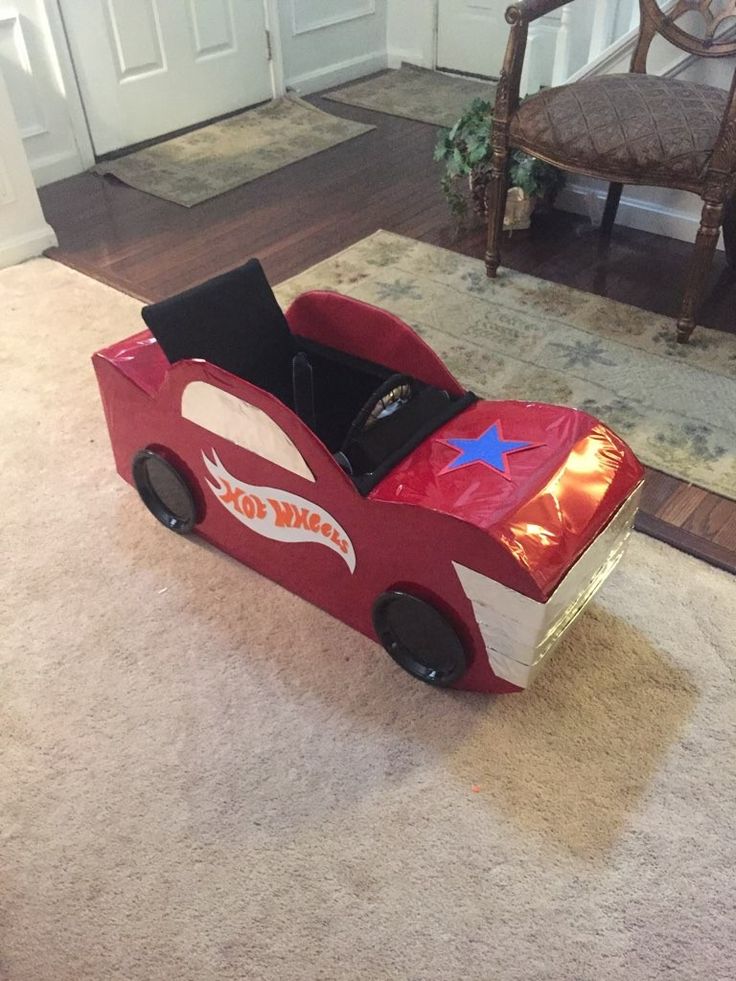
(629, 129)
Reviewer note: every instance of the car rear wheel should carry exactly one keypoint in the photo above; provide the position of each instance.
(419, 638)
(164, 491)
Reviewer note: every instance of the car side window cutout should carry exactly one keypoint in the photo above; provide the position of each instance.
(243, 424)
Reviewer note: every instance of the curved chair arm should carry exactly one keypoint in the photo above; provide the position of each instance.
(519, 15)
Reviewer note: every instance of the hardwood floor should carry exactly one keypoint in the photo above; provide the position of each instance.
(385, 179)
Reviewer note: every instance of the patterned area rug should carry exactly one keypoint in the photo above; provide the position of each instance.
(416, 93)
(200, 165)
(522, 337)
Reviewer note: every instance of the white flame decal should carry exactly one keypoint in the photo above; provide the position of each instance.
(278, 514)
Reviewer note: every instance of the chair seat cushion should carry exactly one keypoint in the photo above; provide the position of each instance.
(639, 127)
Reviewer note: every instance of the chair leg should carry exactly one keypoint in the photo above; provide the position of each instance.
(496, 207)
(705, 245)
(729, 232)
(609, 214)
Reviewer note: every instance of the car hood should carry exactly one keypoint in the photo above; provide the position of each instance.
(542, 480)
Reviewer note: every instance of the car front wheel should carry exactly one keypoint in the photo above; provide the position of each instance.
(164, 491)
(419, 638)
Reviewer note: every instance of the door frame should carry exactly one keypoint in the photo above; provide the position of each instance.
(75, 105)
(278, 85)
(72, 92)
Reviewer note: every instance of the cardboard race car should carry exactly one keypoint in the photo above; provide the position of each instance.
(332, 451)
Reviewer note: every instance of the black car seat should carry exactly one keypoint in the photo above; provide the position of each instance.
(235, 322)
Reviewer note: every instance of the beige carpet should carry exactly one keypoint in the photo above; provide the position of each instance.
(208, 161)
(416, 93)
(527, 338)
(204, 779)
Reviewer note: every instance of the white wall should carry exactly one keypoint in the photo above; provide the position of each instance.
(580, 22)
(327, 42)
(23, 229)
(410, 32)
(40, 80)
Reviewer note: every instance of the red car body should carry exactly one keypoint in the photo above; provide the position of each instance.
(509, 558)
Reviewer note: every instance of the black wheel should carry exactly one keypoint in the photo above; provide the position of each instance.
(164, 491)
(419, 638)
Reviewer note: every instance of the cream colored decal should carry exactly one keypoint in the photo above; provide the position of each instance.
(241, 423)
(278, 514)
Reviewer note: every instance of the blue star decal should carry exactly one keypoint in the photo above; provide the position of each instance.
(489, 449)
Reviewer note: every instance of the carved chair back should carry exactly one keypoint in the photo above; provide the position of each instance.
(656, 20)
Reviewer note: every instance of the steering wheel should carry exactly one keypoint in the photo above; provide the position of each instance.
(390, 396)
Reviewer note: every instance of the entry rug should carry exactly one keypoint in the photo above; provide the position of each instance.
(521, 337)
(416, 93)
(208, 161)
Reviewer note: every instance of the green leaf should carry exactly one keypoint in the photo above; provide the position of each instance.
(465, 148)
(459, 162)
(478, 152)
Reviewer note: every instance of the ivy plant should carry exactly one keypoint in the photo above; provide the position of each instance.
(465, 149)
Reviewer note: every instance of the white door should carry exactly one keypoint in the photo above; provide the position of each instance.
(472, 36)
(149, 67)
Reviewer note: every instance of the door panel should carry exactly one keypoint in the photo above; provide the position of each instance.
(213, 27)
(134, 37)
(472, 35)
(149, 67)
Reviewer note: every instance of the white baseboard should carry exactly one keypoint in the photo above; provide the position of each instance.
(27, 245)
(397, 57)
(56, 167)
(338, 73)
(589, 199)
